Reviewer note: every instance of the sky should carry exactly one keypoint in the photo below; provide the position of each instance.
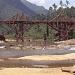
(48, 3)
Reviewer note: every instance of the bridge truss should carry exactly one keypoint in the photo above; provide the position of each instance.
(62, 24)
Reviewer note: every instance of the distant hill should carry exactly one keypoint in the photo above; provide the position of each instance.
(35, 8)
(9, 8)
(6, 10)
(19, 5)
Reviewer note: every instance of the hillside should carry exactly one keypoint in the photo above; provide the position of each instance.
(20, 6)
(9, 8)
(6, 10)
(35, 8)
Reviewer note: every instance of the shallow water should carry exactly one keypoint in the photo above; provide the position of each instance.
(20, 53)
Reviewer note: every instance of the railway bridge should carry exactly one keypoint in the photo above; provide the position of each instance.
(62, 24)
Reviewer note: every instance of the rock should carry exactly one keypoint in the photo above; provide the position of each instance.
(66, 69)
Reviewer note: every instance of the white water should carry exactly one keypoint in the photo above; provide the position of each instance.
(72, 48)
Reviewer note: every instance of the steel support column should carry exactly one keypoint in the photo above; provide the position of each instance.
(20, 32)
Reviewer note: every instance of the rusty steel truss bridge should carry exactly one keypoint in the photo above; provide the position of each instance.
(62, 24)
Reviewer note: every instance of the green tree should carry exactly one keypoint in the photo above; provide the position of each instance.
(50, 13)
(71, 34)
(47, 31)
(67, 3)
(61, 3)
(54, 6)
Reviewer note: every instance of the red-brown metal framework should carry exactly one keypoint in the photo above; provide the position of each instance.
(62, 27)
(61, 24)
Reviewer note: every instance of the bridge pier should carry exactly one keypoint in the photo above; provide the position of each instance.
(20, 33)
(63, 32)
(62, 27)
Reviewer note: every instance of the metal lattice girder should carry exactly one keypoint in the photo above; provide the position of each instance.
(61, 24)
(62, 27)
